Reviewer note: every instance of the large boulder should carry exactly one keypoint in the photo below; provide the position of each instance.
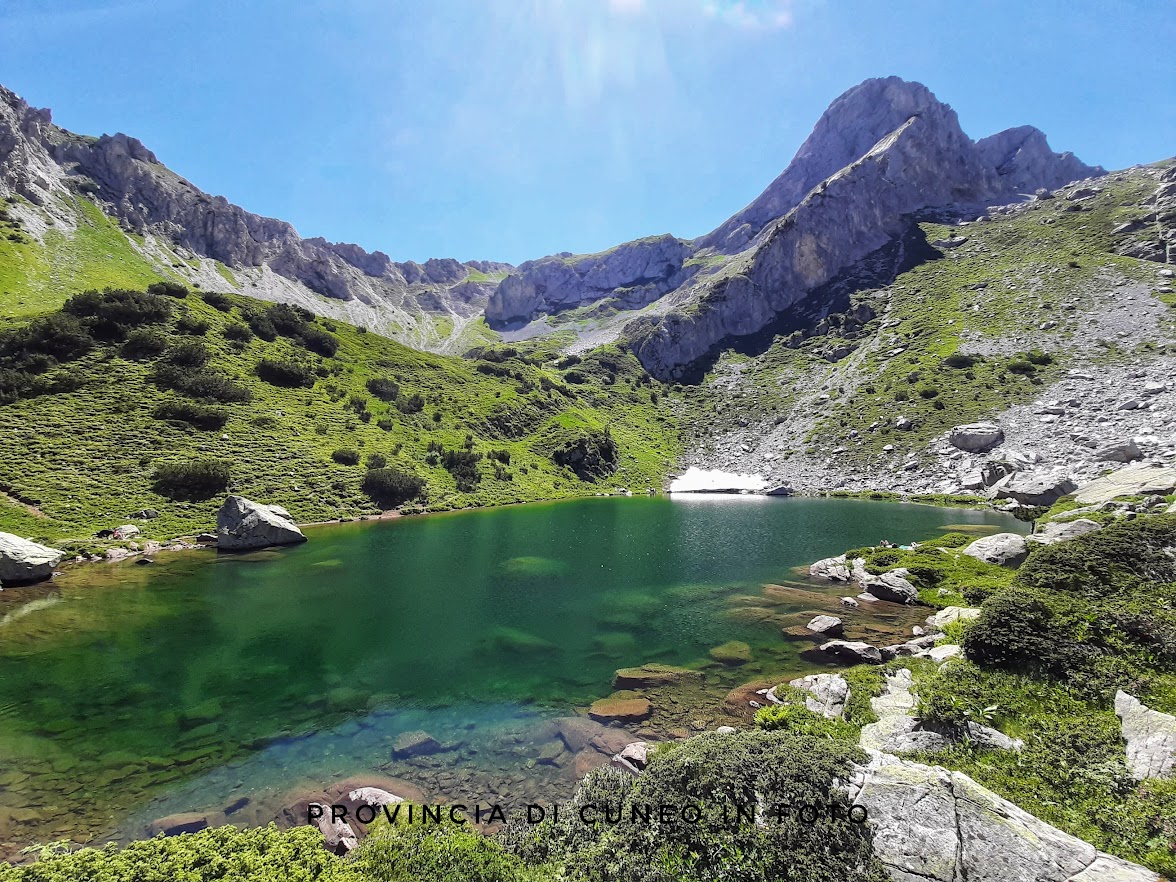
(832, 568)
(1136, 480)
(934, 825)
(892, 586)
(1006, 549)
(976, 437)
(1150, 737)
(242, 524)
(1061, 531)
(1119, 451)
(1034, 489)
(23, 561)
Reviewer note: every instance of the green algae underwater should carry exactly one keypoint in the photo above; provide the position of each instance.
(130, 692)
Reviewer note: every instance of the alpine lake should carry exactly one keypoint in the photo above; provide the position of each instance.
(234, 685)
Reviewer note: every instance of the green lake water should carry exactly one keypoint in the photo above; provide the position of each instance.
(202, 681)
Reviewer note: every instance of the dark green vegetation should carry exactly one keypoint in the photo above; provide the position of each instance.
(125, 399)
(224, 855)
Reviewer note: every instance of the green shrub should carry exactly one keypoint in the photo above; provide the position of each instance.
(260, 324)
(286, 372)
(414, 403)
(445, 852)
(112, 313)
(194, 480)
(346, 456)
(390, 487)
(168, 289)
(199, 415)
(591, 456)
(383, 388)
(711, 772)
(799, 720)
(144, 343)
(289, 320)
(218, 301)
(191, 354)
(191, 326)
(376, 461)
(463, 465)
(238, 332)
(319, 341)
(223, 854)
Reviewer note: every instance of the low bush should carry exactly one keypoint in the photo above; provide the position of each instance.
(376, 461)
(319, 341)
(144, 343)
(775, 771)
(591, 456)
(346, 456)
(199, 415)
(223, 854)
(217, 300)
(113, 313)
(190, 326)
(194, 480)
(286, 372)
(414, 403)
(237, 332)
(168, 289)
(383, 388)
(390, 487)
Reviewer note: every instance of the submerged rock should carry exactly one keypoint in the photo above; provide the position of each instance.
(733, 653)
(621, 710)
(22, 560)
(653, 675)
(410, 744)
(243, 524)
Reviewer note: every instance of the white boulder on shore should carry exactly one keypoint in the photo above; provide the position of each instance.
(22, 560)
(242, 524)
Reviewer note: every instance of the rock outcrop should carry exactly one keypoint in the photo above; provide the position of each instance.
(1006, 549)
(242, 525)
(23, 561)
(883, 150)
(633, 275)
(933, 825)
(827, 694)
(1150, 737)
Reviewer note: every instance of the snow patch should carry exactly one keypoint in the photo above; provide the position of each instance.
(696, 480)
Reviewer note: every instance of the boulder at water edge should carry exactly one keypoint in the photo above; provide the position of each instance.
(22, 560)
(242, 524)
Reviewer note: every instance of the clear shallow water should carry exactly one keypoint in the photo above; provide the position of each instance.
(130, 692)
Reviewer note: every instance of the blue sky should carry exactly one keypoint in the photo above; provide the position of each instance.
(510, 129)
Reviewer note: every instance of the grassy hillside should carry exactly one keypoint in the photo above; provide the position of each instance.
(35, 277)
(89, 439)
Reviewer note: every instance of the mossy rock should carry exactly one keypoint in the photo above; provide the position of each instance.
(734, 653)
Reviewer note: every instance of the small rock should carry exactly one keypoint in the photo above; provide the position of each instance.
(830, 625)
(855, 651)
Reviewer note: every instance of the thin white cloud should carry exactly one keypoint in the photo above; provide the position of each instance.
(750, 14)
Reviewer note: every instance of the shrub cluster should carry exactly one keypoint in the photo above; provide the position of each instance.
(286, 372)
(390, 487)
(193, 480)
(199, 415)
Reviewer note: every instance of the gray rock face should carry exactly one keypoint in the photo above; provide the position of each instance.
(1063, 531)
(932, 824)
(1119, 451)
(828, 694)
(976, 437)
(1006, 549)
(242, 524)
(634, 274)
(1033, 489)
(1022, 158)
(22, 560)
(885, 149)
(1150, 737)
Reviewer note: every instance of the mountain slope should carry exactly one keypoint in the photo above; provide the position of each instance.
(174, 230)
